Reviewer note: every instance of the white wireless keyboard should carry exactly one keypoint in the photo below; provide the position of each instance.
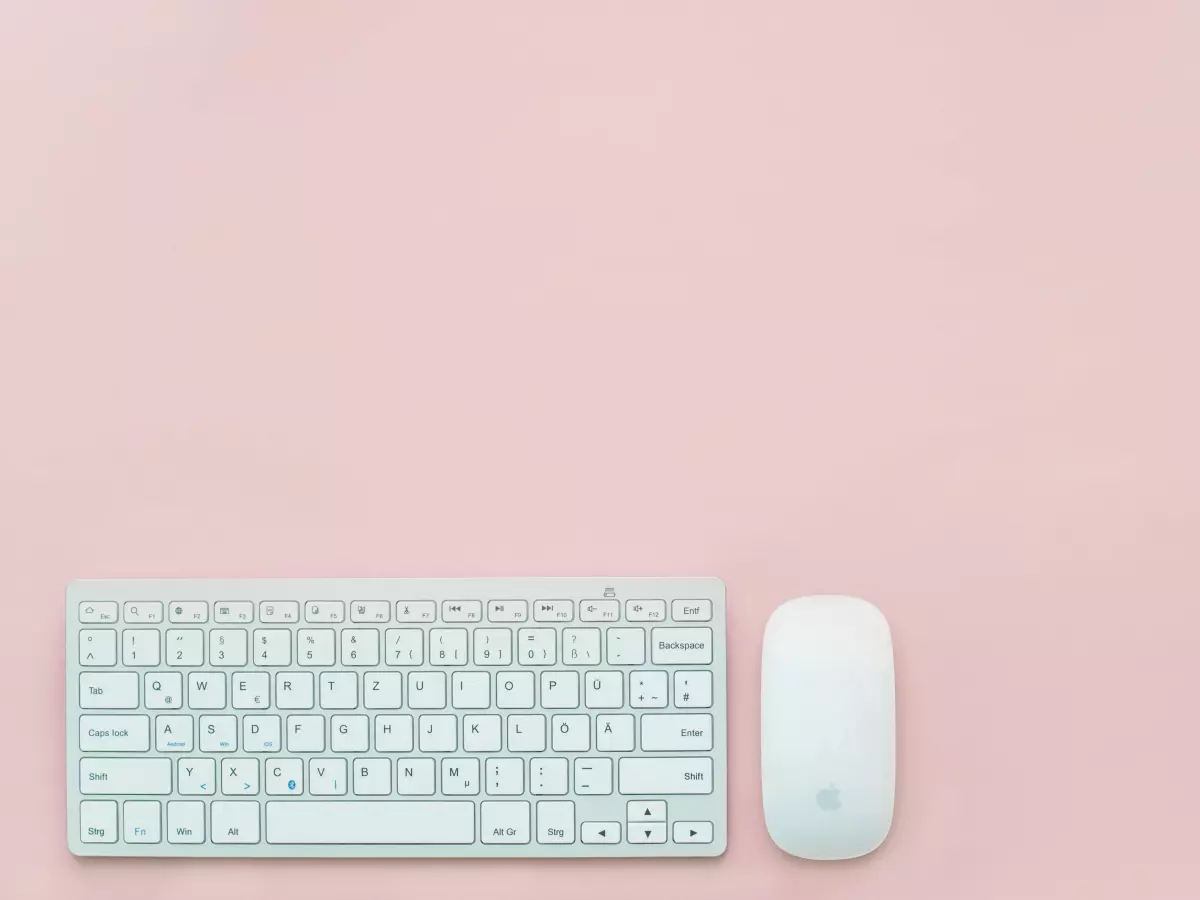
(539, 717)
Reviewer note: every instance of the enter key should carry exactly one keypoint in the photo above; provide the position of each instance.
(677, 732)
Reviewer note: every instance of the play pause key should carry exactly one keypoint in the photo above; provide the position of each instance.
(692, 832)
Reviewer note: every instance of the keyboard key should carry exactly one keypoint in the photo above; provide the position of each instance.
(370, 822)
(108, 690)
(599, 610)
(556, 822)
(414, 777)
(664, 775)
(97, 647)
(692, 611)
(448, 646)
(626, 646)
(514, 690)
(283, 612)
(371, 611)
(98, 821)
(360, 647)
(437, 734)
(272, 647)
(185, 647)
(646, 811)
(504, 776)
(239, 777)
(493, 646)
(570, 733)
(140, 647)
(645, 610)
(600, 833)
(581, 646)
(206, 690)
(647, 690)
(328, 777)
(691, 732)
(372, 776)
(527, 733)
(504, 822)
(553, 610)
(261, 734)
(239, 612)
(593, 775)
(196, 776)
(98, 613)
(471, 690)
(185, 822)
(349, 734)
(693, 690)
(125, 775)
(235, 821)
(537, 646)
(382, 690)
(173, 734)
(114, 734)
(190, 611)
(227, 646)
(294, 690)
(339, 690)
(692, 832)
(614, 733)
(143, 821)
(462, 611)
(481, 734)
(404, 647)
(681, 646)
(218, 734)
(329, 611)
(143, 613)
(604, 690)
(460, 776)
(285, 777)
(427, 690)
(251, 690)
(507, 611)
(394, 734)
(420, 611)
(547, 775)
(560, 690)
(305, 734)
(315, 647)
(647, 832)
(164, 690)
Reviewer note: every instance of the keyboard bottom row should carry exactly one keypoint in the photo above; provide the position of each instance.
(229, 823)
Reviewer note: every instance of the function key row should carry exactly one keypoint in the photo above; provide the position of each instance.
(286, 612)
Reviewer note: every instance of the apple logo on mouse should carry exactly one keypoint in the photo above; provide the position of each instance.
(829, 799)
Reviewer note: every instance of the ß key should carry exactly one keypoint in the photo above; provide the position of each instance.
(525, 718)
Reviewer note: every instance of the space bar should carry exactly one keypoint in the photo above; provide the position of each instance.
(370, 822)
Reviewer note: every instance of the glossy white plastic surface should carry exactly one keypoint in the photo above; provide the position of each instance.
(828, 727)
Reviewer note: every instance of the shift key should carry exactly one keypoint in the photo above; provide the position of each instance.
(659, 775)
(124, 776)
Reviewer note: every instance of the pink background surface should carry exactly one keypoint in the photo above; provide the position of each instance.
(894, 299)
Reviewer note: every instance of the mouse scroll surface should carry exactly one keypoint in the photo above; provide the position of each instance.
(828, 727)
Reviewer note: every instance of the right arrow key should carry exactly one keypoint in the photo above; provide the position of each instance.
(692, 832)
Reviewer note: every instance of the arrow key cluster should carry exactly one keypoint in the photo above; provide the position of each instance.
(647, 821)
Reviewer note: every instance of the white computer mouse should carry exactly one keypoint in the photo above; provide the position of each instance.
(828, 727)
